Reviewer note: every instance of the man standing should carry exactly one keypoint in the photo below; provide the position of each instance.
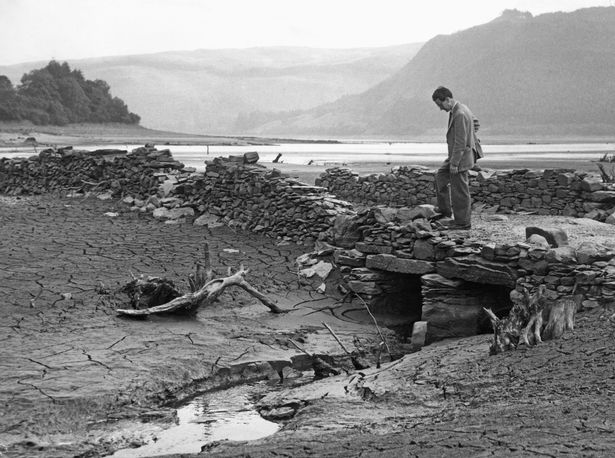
(452, 178)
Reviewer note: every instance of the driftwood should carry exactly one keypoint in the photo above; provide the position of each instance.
(156, 295)
(533, 319)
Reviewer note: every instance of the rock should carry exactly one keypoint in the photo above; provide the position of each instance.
(538, 240)
(555, 236)
(346, 231)
(610, 219)
(321, 288)
(209, 220)
(369, 248)
(166, 187)
(425, 211)
(251, 157)
(419, 334)
(562, 255)
(391, 263)
(105, 196)
(478, 270)
(424, 249)
(322, 269)
(590, 252)
(173, 213)
(353, 258)
(384, 215)
(111, 214)
(603, 196)
(591, 184)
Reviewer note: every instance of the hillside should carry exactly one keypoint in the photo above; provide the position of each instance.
(204, 91)
(544, 75)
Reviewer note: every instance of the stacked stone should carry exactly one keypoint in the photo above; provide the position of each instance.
(104, 170)
(403, 186)
(549, 192)
(263, 200)
(587, 272)
(460, 277)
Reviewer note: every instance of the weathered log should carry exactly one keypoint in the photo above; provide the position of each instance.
(525, 324)
(209, 292)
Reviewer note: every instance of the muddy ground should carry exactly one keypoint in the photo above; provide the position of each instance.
(72, 372)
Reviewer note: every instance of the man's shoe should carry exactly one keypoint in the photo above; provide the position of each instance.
(439, 214)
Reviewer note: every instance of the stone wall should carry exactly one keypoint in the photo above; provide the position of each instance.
(548, 192)
(65, 169)
(460, 276)
(239, 193)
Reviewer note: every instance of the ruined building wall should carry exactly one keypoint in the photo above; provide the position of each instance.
(249, 196)
(548, 192)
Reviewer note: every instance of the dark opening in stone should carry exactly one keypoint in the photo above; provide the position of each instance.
(454, 308)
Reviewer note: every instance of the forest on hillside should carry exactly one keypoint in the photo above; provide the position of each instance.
(58, 95)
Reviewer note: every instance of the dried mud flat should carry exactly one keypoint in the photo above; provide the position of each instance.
(71, 371)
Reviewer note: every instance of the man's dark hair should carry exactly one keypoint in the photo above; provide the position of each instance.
(441, 94)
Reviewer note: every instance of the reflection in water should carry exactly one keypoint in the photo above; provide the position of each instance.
(222, 415)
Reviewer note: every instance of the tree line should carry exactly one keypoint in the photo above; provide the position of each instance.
(58, 95)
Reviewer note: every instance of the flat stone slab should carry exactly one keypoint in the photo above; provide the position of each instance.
(476, 269)
(392, 263)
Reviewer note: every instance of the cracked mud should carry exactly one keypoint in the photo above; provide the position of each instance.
(73, 373)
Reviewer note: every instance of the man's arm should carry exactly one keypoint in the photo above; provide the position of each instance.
(461, 127)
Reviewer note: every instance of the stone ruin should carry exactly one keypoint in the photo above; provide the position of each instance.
(395, 259)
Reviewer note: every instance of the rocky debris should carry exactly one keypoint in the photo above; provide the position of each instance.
(549, 192)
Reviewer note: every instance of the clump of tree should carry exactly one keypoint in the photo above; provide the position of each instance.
(58, 95)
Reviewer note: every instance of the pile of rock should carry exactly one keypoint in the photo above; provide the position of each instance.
(67, 169)
(549, 192)
(264, 200)
(458, 276)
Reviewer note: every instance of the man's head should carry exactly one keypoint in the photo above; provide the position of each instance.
(443, 97)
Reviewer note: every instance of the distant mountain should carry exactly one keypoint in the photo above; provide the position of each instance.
(205, 91)
(521, 75)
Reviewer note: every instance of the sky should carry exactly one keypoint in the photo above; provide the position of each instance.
(35, 30)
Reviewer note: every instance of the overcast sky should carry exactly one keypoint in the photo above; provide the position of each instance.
(32, 30)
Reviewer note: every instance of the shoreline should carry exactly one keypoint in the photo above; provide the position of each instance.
(13, 134)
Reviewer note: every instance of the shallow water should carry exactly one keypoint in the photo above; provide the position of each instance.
(222, 415)
(339, 153)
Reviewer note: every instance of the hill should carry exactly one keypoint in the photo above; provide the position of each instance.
(204, 91)
(544, 75)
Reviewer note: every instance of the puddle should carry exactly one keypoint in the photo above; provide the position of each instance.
(221, 415)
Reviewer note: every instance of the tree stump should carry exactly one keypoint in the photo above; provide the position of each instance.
(533, 319)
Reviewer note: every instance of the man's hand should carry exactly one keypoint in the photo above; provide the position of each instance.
(454, 169)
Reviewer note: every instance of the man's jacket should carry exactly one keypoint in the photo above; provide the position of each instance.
(460, 137)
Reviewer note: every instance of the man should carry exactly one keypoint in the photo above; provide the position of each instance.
(452, 178)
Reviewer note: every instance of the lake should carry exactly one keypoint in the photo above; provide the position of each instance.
(350, 153)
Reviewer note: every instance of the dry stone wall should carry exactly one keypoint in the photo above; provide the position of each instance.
(236, 190)
(67, 169)
(460, 276)
(548, 192)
